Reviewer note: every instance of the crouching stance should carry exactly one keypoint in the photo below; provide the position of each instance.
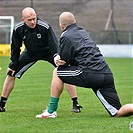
(82, 64)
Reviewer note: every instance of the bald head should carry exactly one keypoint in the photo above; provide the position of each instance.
(66, 19)
(29, 17)
(28, 11)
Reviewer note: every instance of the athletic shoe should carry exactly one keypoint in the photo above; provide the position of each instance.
(46, 114)
(76, 109)
(2, 109)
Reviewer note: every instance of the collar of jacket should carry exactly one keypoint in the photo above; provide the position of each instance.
(70, 26)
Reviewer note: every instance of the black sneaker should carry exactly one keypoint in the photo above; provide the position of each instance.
(76, 109)
(2, 109)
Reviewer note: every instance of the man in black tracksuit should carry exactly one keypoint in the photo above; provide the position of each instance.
(87, 66)
(83, 66)
(40, 44)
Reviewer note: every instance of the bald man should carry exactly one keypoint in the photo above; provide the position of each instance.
(83, 66)
(40, 44)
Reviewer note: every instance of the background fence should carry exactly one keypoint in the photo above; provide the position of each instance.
(112, 37)
(99, 37)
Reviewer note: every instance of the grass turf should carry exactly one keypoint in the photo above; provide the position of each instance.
(31, 95)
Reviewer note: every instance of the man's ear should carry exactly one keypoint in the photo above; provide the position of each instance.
(62, 27)
(22, 19)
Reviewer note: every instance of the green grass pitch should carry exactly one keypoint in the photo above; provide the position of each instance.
(31, 95)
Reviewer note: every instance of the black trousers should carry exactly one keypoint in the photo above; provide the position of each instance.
(26, 60)
(101, 83)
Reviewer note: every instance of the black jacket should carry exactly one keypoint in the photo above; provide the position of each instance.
(39, 41)
(78, 49)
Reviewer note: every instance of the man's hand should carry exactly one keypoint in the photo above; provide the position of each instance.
(10, 72)
(58, 61)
